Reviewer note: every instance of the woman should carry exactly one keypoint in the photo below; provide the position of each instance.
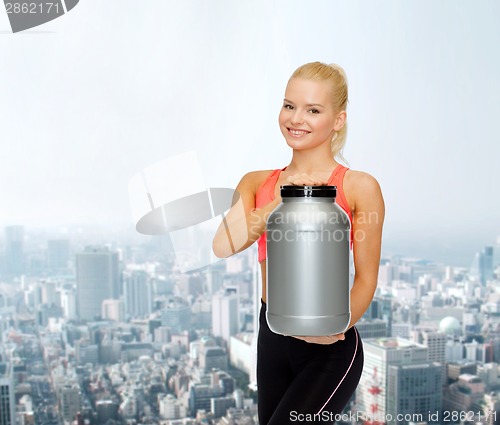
(299, 377)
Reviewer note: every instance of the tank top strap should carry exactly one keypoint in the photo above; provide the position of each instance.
(335, 175)
(266, 188)
(338, 180)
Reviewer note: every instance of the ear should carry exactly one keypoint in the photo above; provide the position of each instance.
(340, 120)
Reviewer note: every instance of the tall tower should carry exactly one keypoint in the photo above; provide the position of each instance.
(410, 361)
(97, 279)
(137, 293)
(69, 400)
(177, 316)
(482, 265)
(7, 411)
(413, 390)
(436, 342)
(14, 250)
(225, 320)
(374, 389)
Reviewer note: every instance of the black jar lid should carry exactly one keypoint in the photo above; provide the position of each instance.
(291, 191)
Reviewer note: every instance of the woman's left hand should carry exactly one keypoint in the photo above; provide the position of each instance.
(325, 340)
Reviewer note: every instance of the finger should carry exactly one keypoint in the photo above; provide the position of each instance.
(305, 180)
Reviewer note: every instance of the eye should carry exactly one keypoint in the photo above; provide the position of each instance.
(314, 111)
(287, 106)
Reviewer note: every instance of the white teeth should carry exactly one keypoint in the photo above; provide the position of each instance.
(298, 132)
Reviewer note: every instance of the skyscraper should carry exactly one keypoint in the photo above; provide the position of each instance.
(113, 310)
(137, 293)
(372, 394)
(482, 265)
(7, 411)
(69, 399)
(97, 279)
(380, 308)
(14, 250)
(177, 316)
(48, 293)
(225, 315)
(68, 303)
(436, 342)
(413, 390)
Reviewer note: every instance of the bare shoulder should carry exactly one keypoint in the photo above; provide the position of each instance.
(363, 189)
(253, 179)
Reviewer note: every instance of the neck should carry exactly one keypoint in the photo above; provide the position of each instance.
(307, 161)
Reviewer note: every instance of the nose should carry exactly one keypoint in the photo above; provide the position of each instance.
(297, 117)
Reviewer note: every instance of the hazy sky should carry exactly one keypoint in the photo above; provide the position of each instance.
(94, 97)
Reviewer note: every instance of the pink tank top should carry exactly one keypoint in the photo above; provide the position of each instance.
(265, 194)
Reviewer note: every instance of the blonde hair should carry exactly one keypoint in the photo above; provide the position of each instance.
(335, 75)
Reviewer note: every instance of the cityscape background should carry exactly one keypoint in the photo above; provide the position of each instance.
(99, 94)
(99, 332)
(98, 324)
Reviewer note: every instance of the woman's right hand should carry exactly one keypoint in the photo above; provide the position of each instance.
(304, 179)
(244, 223)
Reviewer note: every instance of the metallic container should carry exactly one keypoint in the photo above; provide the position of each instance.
(308, 284)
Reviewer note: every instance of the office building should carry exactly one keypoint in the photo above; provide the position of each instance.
(373, 328)
(380, 354)
(466, 394)
(241, 352)
(137, 293)
(220, 405)
(482, 265)
(200, 396)
(413, 390)
(177, 316)
(69, 398)
(169, 407)
(436, 343)
(380, 308)
(97, 279)
(68, 303)
(113, 310)
(225, 317)
(213, 358)
(106, 410)
(7, 396)
(14, 250)
(48, 293)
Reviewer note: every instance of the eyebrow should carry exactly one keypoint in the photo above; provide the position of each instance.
(309, 104)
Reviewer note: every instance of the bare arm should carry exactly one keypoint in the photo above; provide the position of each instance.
(368, 218)
(244, 223)
(368, 221)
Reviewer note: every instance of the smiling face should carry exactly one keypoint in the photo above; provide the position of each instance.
(307, 118)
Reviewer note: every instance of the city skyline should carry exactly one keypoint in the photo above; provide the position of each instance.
(431, 336)
(421, 114)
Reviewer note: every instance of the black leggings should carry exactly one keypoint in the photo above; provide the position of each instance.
(301, 382)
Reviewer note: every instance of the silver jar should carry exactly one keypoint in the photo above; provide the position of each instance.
(308, 287)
